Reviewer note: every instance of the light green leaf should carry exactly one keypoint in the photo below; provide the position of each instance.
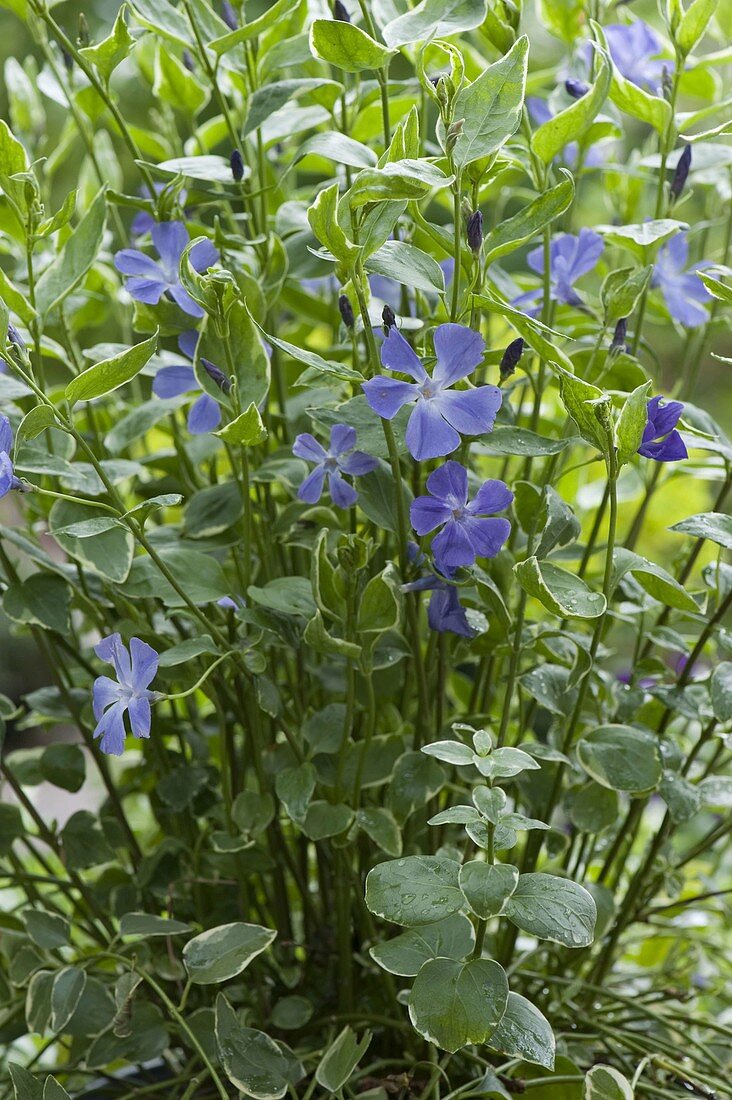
(451, 938)
(341, 1059)
(111, 51)
(252, 1061)
(510, 234)
(47, 930)
(634, 100)
(454, 1004)
(395, 181)
(323, 218)
(407, 264)
(653, 579)
(174, 84)
(434, 19)
(524, 1032)
(622, 290)
(491, 106)
(606, 1083)
(68, 986)
(694, 23)
(70, 265)
(414, 890)
(643, 236)
(380, 825)
(560, 591)
(145, 925)
(247, 31)
(721, 691)
(487, 887)
(553, 908)
(623, 758)
(589, 407)
(571, 123)
(632, 423)
(223, 952)
(346, 46)
(714, 526)
(246, 430)
(110, 374)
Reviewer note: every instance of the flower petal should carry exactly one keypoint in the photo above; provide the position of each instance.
(445, 613)
(453, 548)
(7, 476)
(493, 496)
(358, 463)
(184, 300)
(449, 483)
(342, 438)
(428, 435)
(130, 261)
(470, 412)
(487, 536)
(140, 715)
(144, 664)
(173, 381)
(681, 299)
(105, 692)
(459, 351)
(111, 729)
(663, 416)
(397, 354)
(203, 255)
(112, 650)
(6, 435)
(306, 446)
(342, 494)
(204, 416)
(149, 291)
(387, 396)
(170, 238)
(426, 513)
(312, 487)
(187, 343)
(670, 449)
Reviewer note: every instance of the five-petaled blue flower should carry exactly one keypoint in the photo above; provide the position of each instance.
(205, 412)
(135, 668)
(683, 291)
(8, 480)
(339, 459)
(469, 529)
(570, 257)
(634, 48)
(149, 280)
(441, 414)
(661, 441)
(445, 613)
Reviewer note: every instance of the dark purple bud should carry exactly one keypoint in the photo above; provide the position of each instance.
(237, 165)
(344, 305)
(474, 231)
(388, 316)
(340, 12)
(216, 375)
(617, 343)
(681, 173)
(576, 88)
(510, 358)
(67, 59)
(435, 80)
(15, 338)
(188, 61)
(229, 16)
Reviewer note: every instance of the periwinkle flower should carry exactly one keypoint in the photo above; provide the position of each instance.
(441, 415)
(661, 441)
(468, 529)
(683, 290)
(135, 669)
(205, 413)
(634, 48)
(570, 257)
(143, 222)
(150, 280)
(445, 613)
(8, 480)
(339, 459)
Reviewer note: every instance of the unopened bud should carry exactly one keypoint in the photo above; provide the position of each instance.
(389, 318)
(474, 231)
(216, 375)
(682, 171)
(229, 16)
(340, 12)
(453, 133)
(667, 83)
(617, 344)
(82, 34)
(67, 59)
(576, 88)
(15, 338)
(510, 358)
(344, 305)
(237, 165)
(188, 61)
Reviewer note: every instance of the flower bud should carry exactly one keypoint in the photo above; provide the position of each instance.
(216, 375)
(68, 60)
(82, 34)
(344, 305)
(237, 165)
(576, 88)
(389, 318)
(474, 231)
(667, 83)
(340, 12)
(510, 358)
(454, 131)
(681, 173)
(188, 61)
(15, 338)
(229, 16)
(617, 344)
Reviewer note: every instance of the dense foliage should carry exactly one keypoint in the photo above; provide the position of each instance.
(362, 525)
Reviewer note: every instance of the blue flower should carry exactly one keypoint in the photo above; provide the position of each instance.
(466, 532)
(144, 222)
(445, 613)
(683, 291)
(8, 480)
(150, 280)
(570, 257)
(633, 48)
(205, 413)
(661, 441)
(441, 414)
(339, 459)
(135, 669)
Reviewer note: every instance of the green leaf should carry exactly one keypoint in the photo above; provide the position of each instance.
(571, 123)
(209, 167)
(606, 1083)
(510, 234)
(341, 1059)
(643, 236)
(198, 575)
(487, 887)
(108, 552)
(414, 890)
(592, 808)
(324, 819)
(632, 423)
(213, 510)
(491, 106)
(721, 691)
(395, 181)
(416, 779)
(621, 291)
(144, 925)
(253, 1062)
(560, 591)
(286, 595)
(434, 19)
(507, 440)
(653, 579)
(47, 930)
(623, 758)
(454, 1004)
(714, 526)
(589, 407)
(381, 827)
(405, 954)
(322, 642)
(271, 97)
(68, 986)
(53, 1091)
(64, 766)
(223, 952)
(35, 422)
(111, 51)
(70, 265)
(84, 844)
(524, 1032)
(694, 23)
(176, 85)
(43, 599)
(553, 908)
(247, 31)
(378, 608)
(533, 331)
(452, 752)
(163, 17)
(632, 99)
(346, 46)
(682, 797)
(407, 264)
(716, 287)
(339, 148)
(25, 1085)
(323, 219)
(110, 374)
